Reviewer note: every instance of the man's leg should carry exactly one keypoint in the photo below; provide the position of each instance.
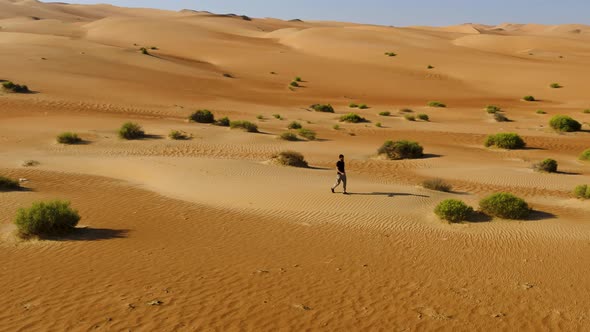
(344, 182)
(338, 180)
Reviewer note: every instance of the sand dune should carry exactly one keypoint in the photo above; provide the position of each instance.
(210, 234)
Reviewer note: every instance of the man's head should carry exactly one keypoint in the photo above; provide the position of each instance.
(341, 157)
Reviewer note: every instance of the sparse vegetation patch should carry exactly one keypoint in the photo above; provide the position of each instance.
(555, 86)
(223, 122)
(401, 150)
(202, 116)
(178, 135)
(294, 125)
(436, 104)
(387, 113)
(453, 210)
(68, 138)
(505, 141)
(131, 131)
(288, 136)
(437, 184)
(585, 155)
(547, 165)
(505, 205)
(291, 158)
(424, 117)
(47, 219)
(492, 109)
(15, 88)
(325, 108)
(529, 98)
(390, 54)
(307, 134)
(564, 123)
(582, 191)
(352, 118)
(244, 125)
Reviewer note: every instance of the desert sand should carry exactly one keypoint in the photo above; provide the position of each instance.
(208, 234)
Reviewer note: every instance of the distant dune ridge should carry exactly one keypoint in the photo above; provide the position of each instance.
(162, 128)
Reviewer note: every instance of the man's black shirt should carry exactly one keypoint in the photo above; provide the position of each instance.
(340, 165)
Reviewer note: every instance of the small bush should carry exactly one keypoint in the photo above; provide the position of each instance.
(202, 116)
(288, 136)
(294, 125)
(336, 127)
(277, 116)
(547, 165)
(492, 109)
(363, 106)
(390, 54)
(177, 135)
(437, 184)
(68, 138)
(401, 150)
(144, 51)
(585, 155)
(424, 117)
(298, 79)
(260, 117)
(430, 67)
(505, 205)
(131, 131)
(385, 113)
(378, 125)
(453, 210)
(47, 219)
(352, 118)
(16, 88)
(406, 110)
(353, 105)
(223, 122)
(582, 191)
(587, 111)
(228, 75)
(410, 117)
(555, 86)
(245, 125)
(294, 84)
(436, 104)
(499, 117)
(529, 98)
(540, 112)
(7, 184)
(505, 141)
(326, 108)
(564, 123)
(307, 134)
(291, 158)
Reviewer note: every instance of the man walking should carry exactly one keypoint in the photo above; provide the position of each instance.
(341, 176)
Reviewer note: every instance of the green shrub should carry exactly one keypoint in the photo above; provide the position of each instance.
(582, 191)
(564, 123)
(223, 122)
(245, 125)
(288, 136)
(387, 113)
(7, 184)
(499, 117)
(294, 125)
(492, 109)
(430, 67)
(541, 112)
(16, 88)
(529, 98)
(144, 51)
(585, 155)
(410, 117)
(277, 116)
(423, 117)
(68, 138)
(378, 124)
(294, 84)
(547, 165)
(505, 205)
(336, 127)
(453, 210)
(505, 141)
(298, 79)
(555, 86)
(406, 110)
(326, 108)
(177, 135)
(228, 75)
(587, 111)
(260, 117)
(307, 133)
(202, 116)
(401, 150)
(130, 131)
(436, 104)
(390, 54)
(363, 106)
(291, 158)
(353, 105)
(352, 118)
(437, 184)
(47, 219)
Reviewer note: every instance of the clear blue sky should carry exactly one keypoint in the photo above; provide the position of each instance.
(389, 12)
